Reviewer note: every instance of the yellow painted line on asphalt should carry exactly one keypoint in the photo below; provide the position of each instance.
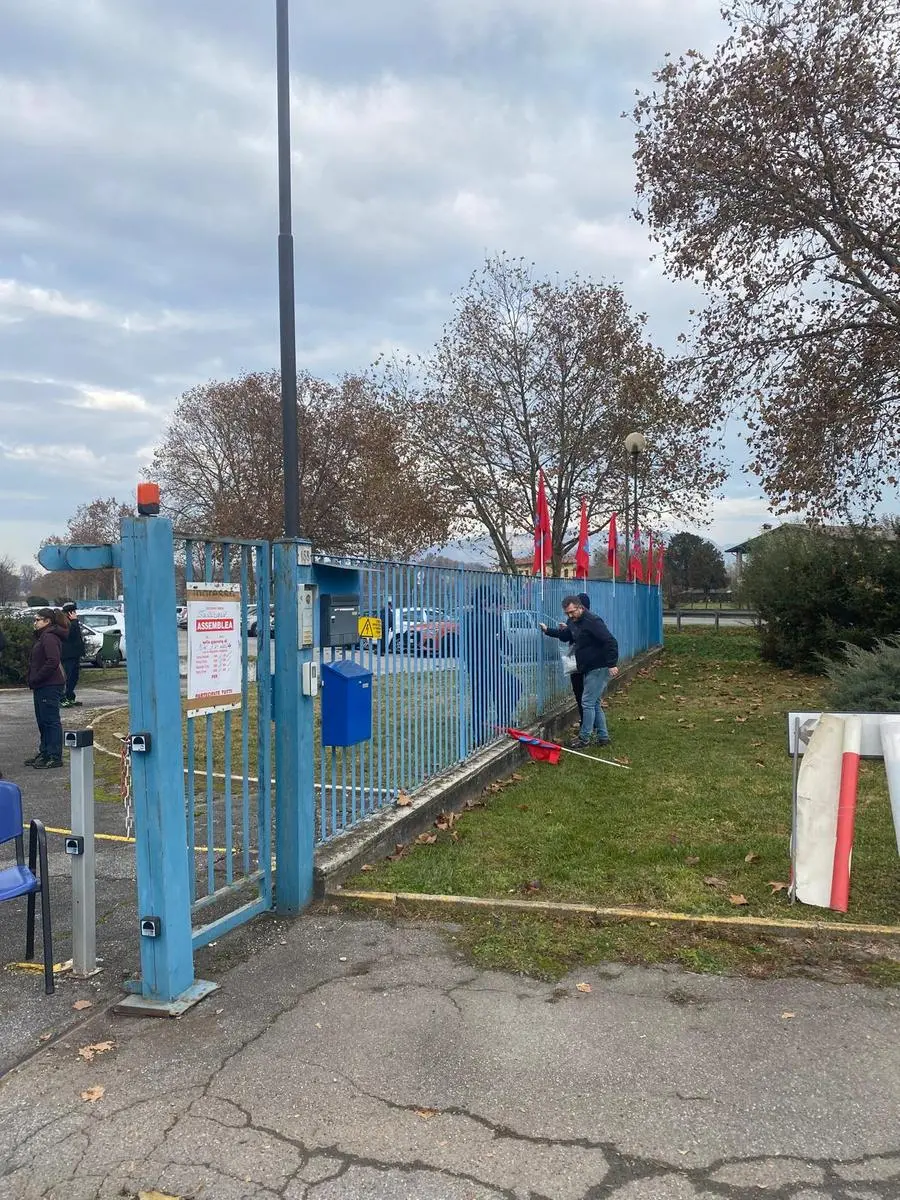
(58, 968)
(130, 841)
(549, 908)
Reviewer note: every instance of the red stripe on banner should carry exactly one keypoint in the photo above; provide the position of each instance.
(846, 818)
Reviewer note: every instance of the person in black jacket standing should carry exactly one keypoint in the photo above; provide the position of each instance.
(47, 679)
(596, 656)
(71, 654)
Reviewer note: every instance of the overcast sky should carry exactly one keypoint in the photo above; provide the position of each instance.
(139, 208)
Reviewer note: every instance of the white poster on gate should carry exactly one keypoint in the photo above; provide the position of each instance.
(214, 673)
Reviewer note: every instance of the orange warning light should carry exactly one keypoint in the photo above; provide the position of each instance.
(148, 499)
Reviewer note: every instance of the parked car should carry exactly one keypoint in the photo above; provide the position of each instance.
(253, 620)
(399, 625)
(181, 616)
(102, 620)
(438, 635)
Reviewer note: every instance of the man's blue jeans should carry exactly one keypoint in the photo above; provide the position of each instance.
(594, 718)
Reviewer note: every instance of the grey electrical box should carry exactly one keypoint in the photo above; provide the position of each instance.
(339, 620)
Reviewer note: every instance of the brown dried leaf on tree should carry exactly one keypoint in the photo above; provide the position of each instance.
(767, 171)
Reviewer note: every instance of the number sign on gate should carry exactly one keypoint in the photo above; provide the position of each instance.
(214, 647)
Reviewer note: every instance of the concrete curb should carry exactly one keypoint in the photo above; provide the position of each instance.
(559, 910)
(379, 835)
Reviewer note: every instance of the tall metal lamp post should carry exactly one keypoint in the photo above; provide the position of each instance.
(635, 445)
(286, 278)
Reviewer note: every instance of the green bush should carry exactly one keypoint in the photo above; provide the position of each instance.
(14, 659)
(866, 680)
(816, 593)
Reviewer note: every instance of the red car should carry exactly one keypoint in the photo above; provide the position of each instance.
(439, 636)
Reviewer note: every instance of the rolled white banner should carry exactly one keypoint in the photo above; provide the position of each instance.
(890, 749)
(818, 790)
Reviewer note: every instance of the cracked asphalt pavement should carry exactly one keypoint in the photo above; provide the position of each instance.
(355, 1058)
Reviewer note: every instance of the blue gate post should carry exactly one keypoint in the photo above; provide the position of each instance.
(294, 790)
(154, 696)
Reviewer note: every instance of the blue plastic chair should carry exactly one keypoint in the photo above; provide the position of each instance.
(21, 880)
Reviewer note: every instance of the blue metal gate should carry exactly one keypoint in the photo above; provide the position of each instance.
(228, 755)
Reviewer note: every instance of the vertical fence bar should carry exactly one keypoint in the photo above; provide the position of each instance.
(191, 750)
(246, 554)
(226, 747)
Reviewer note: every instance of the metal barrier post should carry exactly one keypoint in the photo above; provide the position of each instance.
(294, 700)
(80, 848)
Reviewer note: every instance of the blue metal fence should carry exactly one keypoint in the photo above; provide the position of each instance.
(459, 660)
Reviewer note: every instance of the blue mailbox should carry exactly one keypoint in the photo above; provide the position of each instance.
(346, 703)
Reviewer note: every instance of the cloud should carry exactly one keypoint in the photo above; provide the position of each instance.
(108, 400)
(52, 456)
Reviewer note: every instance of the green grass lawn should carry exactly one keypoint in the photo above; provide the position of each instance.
(701, 820)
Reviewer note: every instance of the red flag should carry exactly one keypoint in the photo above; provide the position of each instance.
(583, 553)
(636, 565)
(660, 555)
(543, 535)
(649, 575)
(612, 545)
(539, 750)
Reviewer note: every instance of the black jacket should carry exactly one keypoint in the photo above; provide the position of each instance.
(44, 667)
(73, 647)
(594, 645)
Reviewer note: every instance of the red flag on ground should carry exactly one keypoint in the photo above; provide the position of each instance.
(612, 545)
(543, 535)
(583, 553)
(539, 750)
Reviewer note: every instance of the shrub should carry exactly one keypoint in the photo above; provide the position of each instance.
(14, 659)
(866, 680)
(816, 593)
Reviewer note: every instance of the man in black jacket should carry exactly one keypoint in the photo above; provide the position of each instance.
(72, 652)
(596, 656)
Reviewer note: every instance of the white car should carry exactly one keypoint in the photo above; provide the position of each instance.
(100, 620)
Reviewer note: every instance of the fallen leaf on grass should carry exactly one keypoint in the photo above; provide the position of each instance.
(367, 867)
(403, 800)
(88, 1052)
(533, 885)
(716, 720)
(714, 881)
(517, 777)
(776, 886)
(80, 1004)
(399, 851)
(427, 1113)
(426, 839)
(445, 820)
(760, 764)
(741, 720)
(692, 860)
(523, 808)
(93, 1094)
(582, 987)
(751, 857)
(738, 900)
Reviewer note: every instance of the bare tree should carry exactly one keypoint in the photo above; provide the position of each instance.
(96, 523)
(534, 374)
(769, 173)
(362, 490)
(9, 580)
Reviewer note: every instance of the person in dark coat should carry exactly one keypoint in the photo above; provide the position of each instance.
(72, 654)
(576, 677)
(596, 657)
(47, 680)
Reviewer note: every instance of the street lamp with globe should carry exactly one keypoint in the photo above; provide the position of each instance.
(635, 445)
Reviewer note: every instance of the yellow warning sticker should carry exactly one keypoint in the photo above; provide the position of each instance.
(369, 627)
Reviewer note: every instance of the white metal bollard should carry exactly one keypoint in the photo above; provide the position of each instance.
(80, 848)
